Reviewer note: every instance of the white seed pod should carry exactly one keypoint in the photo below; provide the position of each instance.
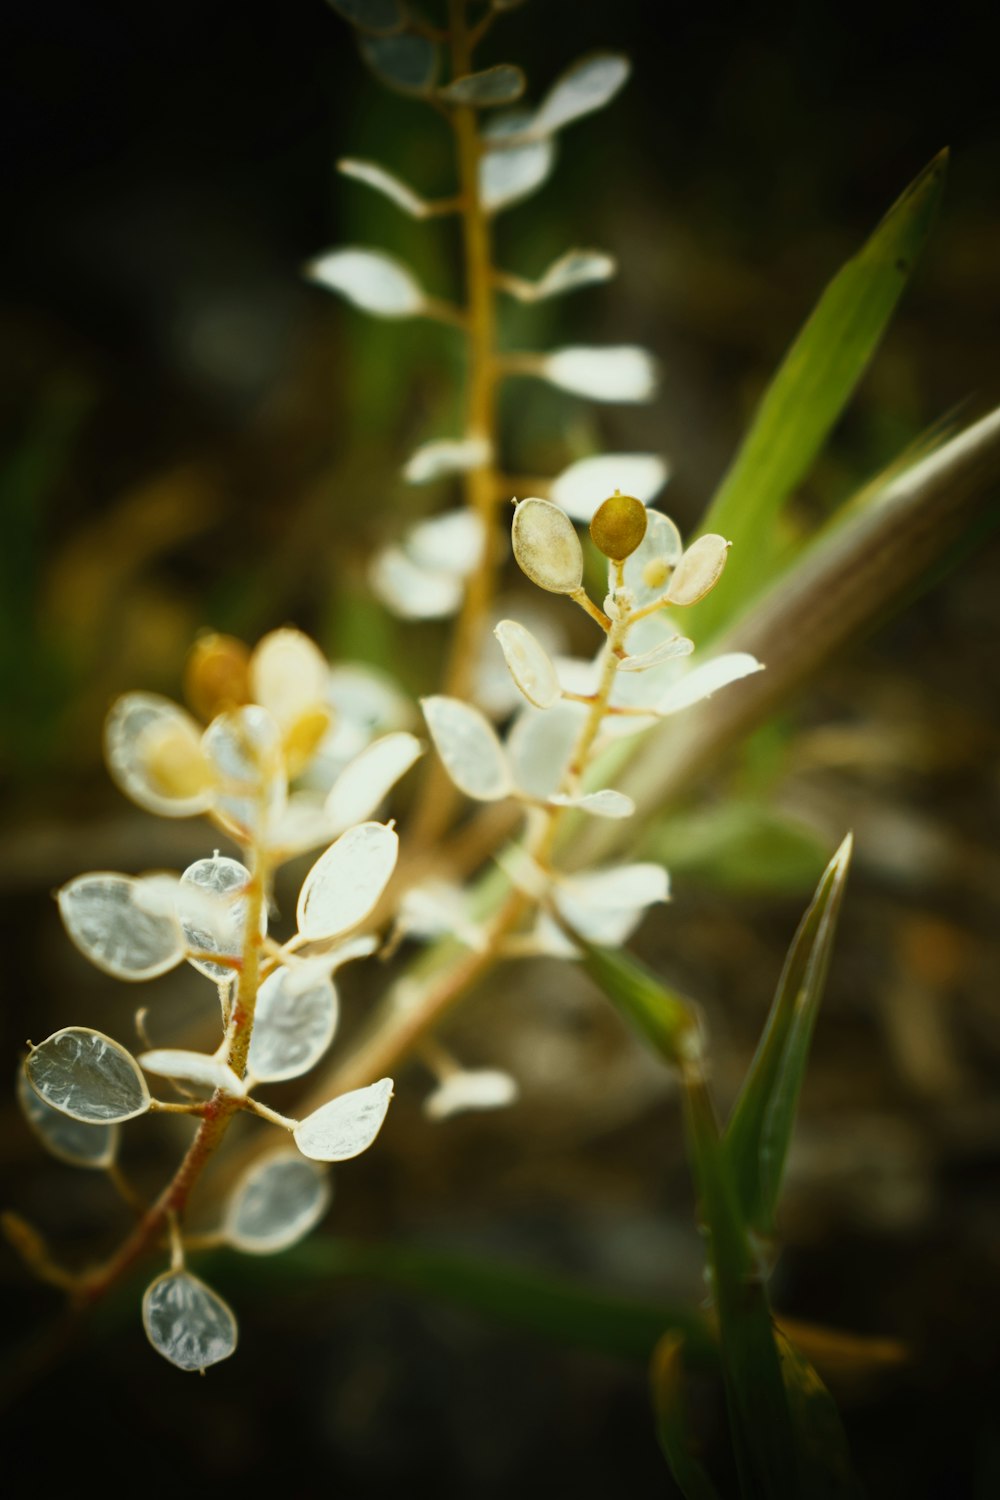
(649, 569)
(387, 183)
(469, 748)
(707, 678)
(72, 1141)
(446, 456)
(546, 546)
(302, 825)
(472, 1088)
(582, 487)
(187, 1322)
(193, 1067)
(366, 781)
(452, 541)
(411, 590)
(288, 674)
(540, 746)
(605, 906)
(87, 1076)
(345, 884)
(670, 650)
(508, 173)
(244, 746)
(125, 926)
(406, 63)
(213, 905)
(502, 84)
(699, 570)
(606, 803)
(153, 752)
(619, 372)
(294, 1023)
(276, 1203)
(346, 1126)
(373, 281)
(573, 269)
(589, 84)
(439, 909)
(529, 664)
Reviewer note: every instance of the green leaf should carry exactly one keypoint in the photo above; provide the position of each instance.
(808, 393)
(760, 1129)
(667, 1384)
(740, 846)
(663, 1018)
(763, 1436)
(825, 1468)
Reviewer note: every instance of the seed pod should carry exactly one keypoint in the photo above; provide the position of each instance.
(618, 527)
(547, 547)
(217, 675)
(699, 570)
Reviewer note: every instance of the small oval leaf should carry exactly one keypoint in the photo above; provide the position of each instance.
(87, 1076)
(346, 1126)
(187, 1322)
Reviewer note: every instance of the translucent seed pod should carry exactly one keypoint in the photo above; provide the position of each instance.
(529, 664)
(154, 755)
(212, 905)
(187, 1322)
(87, 1076)
(471, 1089)
(275, 1204)
(217, 675)
(125, 926)
(619, 526)
(72, 1141)
(345, 884)
(546, 546)
(294, 1023)
(346, 1126)
(699, 570)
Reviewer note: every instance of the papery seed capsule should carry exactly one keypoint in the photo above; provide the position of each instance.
(217, 675)
(547, 547)
(618, 527)
(699, 570)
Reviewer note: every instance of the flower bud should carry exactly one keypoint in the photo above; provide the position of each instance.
(618, 527)
(216, 677)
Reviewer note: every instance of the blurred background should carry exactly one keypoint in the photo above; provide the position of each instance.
(193, 436)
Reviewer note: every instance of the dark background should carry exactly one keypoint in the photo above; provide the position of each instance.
(192, 436)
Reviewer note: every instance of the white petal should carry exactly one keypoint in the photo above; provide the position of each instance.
(585, 485)
(372, 280)
(87, 1076)
(621, 372)
(590, 84)
(73, 1141)
(244, 745)
(699, 570)
(187, 1322)
(445, 456)
(469, 748)
(126, 927)
(540, 745)
(669, 650)
(288, 674)
(276, 1203)
(411, 591)
(406, 63)
(193, 1067)
(648, 570)
(509, 173)
(452, 542)
(475, 1088)
(346, 1126)
(501, 84)
(529, 664)
(294, 1023)
(606, 803)
(386, 183)
(576, 268)
(154, 754)
(364, 784)
(346, 883)
(546, 546)
(212, 907)
(706, 679)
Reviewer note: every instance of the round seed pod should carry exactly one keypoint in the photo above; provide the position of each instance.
(547, 547)
(618, 527)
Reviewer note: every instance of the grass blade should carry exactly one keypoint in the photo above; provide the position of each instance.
(760, 1129)
(825, 1464)
(667, 1385)
(664, 1019)
(810, 390)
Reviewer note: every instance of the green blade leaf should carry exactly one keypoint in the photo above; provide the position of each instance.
(760, 1128)
(810, 390)
(663, 1018)
(667, 1385)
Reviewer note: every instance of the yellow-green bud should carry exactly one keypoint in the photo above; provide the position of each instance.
(618, 527)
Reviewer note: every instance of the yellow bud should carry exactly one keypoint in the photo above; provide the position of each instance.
(302, 738)
(216, 677)
(618, 527)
